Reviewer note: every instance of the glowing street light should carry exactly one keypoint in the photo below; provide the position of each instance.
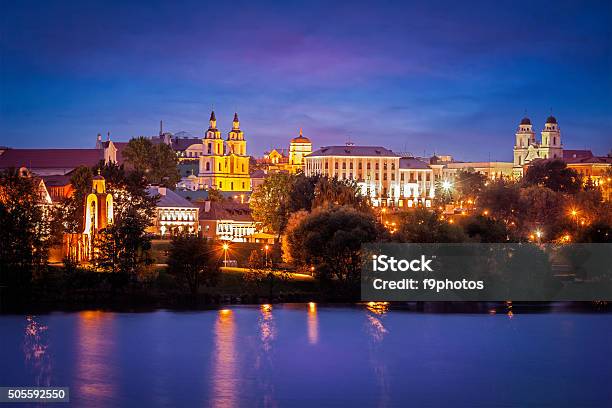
(538, 234)
(266, 248)
(225, 248)
(447, 185)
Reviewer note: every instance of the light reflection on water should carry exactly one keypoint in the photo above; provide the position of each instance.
(94, 346)
(225, 368)
(312, 355)
(35, 348)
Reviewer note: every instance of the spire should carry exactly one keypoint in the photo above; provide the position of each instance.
(108, 136)
(161, 127)
(301, 132)
(236, 117)
(212, 121)
(236, 122)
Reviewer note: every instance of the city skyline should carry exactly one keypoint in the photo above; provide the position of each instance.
(438, 78)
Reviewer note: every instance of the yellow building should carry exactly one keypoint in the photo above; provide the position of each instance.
(299, 148)
(222, 164)
(291, 160)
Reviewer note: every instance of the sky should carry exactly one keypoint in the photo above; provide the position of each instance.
(420, 77)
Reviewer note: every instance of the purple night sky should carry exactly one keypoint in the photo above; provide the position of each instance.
(446, 76)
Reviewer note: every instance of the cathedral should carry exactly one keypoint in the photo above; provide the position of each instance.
(527, 149)
(222, 164)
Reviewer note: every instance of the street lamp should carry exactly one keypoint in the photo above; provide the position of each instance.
(538, 234)
(225, 248)
(266, 252)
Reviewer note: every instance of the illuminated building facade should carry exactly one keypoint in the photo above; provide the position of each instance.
(288, 160)
(222, 164)
(382, 175)
(174, 215)
(226, 220)
(527, 148)
(98, 213)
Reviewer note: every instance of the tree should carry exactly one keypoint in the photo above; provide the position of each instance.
(269, 203)
(469, 184)
(124, 245)
(25, 234)
(486, 229)
(294, 220)
(191, 262)
(553, 174)
(261, 276)
(329, 191)
(330, 239)
(157, 163)
(541, 206)
(302, 192)
(423, 226)
(501, 200)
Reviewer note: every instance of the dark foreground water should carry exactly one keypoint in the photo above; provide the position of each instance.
(304, 355)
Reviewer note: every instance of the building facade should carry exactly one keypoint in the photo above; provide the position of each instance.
(226, 220)
(174, 215)
(527, 148)
(383, 176)
(222, 164)
(288, 160)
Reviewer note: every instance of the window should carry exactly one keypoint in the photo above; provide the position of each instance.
(360, 166)
(351, 166)
(209, 148)
(207, 166)
(392, 176)
(326, 165)
(344, 166)
(392, 166)
(219, 166)
(336, 166)
(377, 166)
(369, 166)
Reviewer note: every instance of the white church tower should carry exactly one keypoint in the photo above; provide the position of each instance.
(551, 147)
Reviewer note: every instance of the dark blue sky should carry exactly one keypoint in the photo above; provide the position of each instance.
(443, 76)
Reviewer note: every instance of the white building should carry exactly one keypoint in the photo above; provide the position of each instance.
(384, 176)
(527, 148)
(174, 214)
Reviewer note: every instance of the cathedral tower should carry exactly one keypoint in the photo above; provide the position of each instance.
(525, 137)
(551, 140)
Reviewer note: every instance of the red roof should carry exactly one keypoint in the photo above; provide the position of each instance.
(50, 158)
(226, 210)
(577, 154)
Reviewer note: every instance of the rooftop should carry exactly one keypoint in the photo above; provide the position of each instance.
(412, 163)
(225, 210)
(50, 158)
(169, 198)
(349, 151)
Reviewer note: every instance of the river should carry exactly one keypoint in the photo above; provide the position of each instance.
(312, 356)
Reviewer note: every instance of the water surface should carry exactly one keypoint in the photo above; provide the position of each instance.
(309, 355)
